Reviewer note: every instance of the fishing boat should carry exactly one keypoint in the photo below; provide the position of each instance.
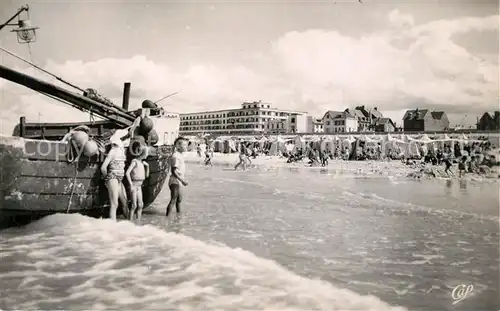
(39, 172)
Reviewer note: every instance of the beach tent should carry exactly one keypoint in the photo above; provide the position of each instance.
(425, 139)
(261, 141)
(368, 140)
(316, 142)
(277, 146)
(378, 138)
(249, 139)
(347, 141)
(327, 144)
(445, 138)
(289, 146)
(389, 143)
(192, 146)
(495, 153)
(217, 145)
(229, 146)
(299, 143)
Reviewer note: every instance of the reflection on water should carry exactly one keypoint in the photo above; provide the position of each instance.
(463, 184)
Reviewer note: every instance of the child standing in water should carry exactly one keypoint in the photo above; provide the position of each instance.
(243, 158)
(112, 170)
(208, 156)
(136, 173)
(448, 165)
(462, 166)
(177, 182)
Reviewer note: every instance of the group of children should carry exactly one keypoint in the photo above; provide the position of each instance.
(113, 172)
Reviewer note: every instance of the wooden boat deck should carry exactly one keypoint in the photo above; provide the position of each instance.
(36, 176)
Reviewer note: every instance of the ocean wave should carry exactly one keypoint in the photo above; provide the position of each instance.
(75, 262)
(373, 200)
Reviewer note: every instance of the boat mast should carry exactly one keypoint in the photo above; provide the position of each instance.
(115, 114)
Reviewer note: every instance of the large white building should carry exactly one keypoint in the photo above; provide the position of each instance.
(251, 118)
(339, 122)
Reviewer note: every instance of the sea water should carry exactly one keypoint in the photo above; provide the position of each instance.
(268, 239)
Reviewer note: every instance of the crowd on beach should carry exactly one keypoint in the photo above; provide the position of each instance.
(475, 156)
(470, 157)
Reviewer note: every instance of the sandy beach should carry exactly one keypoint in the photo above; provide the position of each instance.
(393, 168)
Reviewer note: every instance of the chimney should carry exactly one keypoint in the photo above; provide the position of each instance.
(497, 115)
(126, 95)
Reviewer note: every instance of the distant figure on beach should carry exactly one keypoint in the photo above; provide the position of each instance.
(248, 153)
(379, 152)
(208, 156)
(177, 180)
(448, 165)
(113, 171)
(462, 165)
(136, 173)
(324, 158)
(253, 152)
(243, 158)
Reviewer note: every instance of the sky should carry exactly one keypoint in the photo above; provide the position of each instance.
(309, 56)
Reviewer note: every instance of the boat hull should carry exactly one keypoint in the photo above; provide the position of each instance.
(37, 178)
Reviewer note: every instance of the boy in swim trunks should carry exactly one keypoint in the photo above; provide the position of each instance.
(462, 166)
(448, 165)
(177, 182)
(136, 173)
(243, 158)
(208, 156)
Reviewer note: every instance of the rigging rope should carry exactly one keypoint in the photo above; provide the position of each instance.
(73, 188)
(32, 64)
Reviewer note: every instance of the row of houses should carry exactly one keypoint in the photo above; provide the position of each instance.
(358, 119)
(262, 118)
(489, 121)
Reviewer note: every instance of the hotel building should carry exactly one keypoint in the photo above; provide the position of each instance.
(251, 118)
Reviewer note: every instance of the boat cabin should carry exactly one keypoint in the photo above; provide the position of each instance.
(166, 125)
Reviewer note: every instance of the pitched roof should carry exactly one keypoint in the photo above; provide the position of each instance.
(338, 114)
(332, 114)
(316, 120)
(382, 121)
(493, 116)
(357, 113)
(437, 114)
(377, 114)
(366, 112)
(416, 114)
